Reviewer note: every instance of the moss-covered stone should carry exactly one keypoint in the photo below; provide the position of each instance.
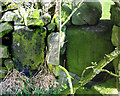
(84, 47)
(116, 62)
(3, 72)
(9, 64)
(116, 36)
(65, 12)
(9, 16)
(107, 87)
(51, 27)
(115, 14)
(117, 2)
(34, 18)
(4, 51)
(88, 13)
(5, 28)
(28, 48)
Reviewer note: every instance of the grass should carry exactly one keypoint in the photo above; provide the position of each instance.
(17, 83)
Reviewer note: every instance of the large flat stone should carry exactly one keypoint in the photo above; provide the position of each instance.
(84, 47)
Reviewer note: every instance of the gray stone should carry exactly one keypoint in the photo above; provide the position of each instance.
(63, 78)
(9, 16)
(5, 28)
(3, 51)
(88, 13)
(53, 46)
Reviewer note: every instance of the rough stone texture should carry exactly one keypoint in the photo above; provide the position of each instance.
(84, 47)
(3, 51)
(51, 27)
(53, 46)
(28, 48)
(88, 13)
(116, 35)
(9, 16)
(3, 72)
(8, 64)
(116, 62)
(5, 28)
(115, 14)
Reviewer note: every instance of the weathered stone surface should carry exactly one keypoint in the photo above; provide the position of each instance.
(46, 18)
(65, 12)
(5, 28)
(63, 78)
(115, 14)
(51, 27)
(53, 46)
(28, 48)
(116, 35)
(34, 18)
(104, 27)
(3, 51)
(89, 13)
(3, 72)
(84, 47)
(9, 64)
(9, 16)
(116, 62)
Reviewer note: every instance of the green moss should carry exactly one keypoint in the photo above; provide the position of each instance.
(115, 35)
(65, 12)
(4, 51)
(117, 71)
(88, 13)
(107, 87)
(83, 90)
(83, 48)
(3, 72)
(5, 28)
(28, 47)
(115, 15)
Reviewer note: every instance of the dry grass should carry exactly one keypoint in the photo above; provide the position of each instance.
(16, 82)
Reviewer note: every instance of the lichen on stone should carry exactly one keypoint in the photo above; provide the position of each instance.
(28, 48)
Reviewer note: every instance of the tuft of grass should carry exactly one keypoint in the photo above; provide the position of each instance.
(17, 83)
